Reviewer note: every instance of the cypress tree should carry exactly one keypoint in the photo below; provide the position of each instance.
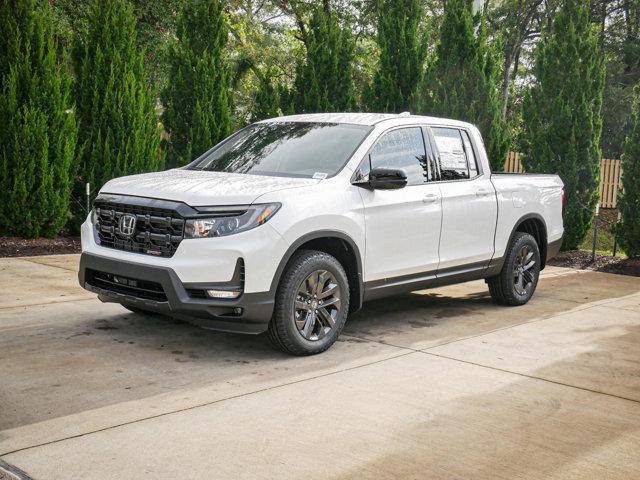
(629, 201)
(39, 131)
(562, 115)
(286, 97)
(197, 98)
(462, 80)
(119, 132)
(402, 56)
(324, 80)
(266, 101)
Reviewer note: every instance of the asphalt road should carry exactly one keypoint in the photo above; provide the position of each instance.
(434, 384)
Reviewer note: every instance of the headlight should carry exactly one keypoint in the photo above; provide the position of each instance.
(228, 223)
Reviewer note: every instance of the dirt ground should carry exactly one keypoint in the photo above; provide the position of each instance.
(603, 263)
(21, 247)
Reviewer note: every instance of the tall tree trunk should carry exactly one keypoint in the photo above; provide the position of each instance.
(504, 90)
(629, 34)
(516, 65)
(603, 18)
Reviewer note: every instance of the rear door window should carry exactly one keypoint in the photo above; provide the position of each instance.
(456, 158)
(471, 156)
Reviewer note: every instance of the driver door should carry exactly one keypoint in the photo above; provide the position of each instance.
(402, 225)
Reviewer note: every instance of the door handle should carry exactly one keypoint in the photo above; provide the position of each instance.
(482, 193)
(430, 198)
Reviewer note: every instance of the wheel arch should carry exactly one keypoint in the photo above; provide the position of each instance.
(534, 225)
(335, 243)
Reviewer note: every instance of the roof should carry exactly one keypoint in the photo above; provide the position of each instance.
(364, 118)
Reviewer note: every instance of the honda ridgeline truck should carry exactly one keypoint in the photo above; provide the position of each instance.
(290, 224)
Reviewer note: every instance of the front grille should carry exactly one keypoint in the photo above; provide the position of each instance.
(126, 286)
(158, 231)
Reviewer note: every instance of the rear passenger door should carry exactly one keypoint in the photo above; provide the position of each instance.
(403, 225)
(469, 206)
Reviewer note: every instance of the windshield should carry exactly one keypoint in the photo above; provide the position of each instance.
(292, 149)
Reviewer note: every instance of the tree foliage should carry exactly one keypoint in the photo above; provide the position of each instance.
(629, 200)
(267, 102)
(324, 81)
(618, 25)
(119, 134)
(403, 50)
(197, 97)
(251, 59)
(38, 133)
(461, 82)
(562, 115)
(155, 26)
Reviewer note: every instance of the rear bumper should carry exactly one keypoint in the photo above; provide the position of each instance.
(553, 248)
(250, 313)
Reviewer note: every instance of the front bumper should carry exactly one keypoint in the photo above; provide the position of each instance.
(209, 260)
(159, 288)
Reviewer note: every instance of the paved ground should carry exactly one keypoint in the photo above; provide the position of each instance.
(436, 384)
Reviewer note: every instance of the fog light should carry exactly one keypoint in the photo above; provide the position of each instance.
(223, 294)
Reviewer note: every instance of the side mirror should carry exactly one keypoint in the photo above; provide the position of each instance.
(387, 178)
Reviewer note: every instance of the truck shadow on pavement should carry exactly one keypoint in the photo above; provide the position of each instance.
(432, 317)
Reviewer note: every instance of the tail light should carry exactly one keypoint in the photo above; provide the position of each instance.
(563, 199)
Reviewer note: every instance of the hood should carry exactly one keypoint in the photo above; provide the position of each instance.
(199, 188)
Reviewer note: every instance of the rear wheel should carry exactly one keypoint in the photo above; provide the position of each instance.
(518, 279)
(312, 302)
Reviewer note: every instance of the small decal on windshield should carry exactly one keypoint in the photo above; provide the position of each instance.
(319, 176)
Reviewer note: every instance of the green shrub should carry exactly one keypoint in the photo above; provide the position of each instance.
(119, 133)
(266, 102)
(461, 82)
(197, 98)
(324, 80)
(629, 200)
(562, 120)
(402, 55)
(38, 133)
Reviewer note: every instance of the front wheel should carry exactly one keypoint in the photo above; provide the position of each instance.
(312, 302)
(518, 279)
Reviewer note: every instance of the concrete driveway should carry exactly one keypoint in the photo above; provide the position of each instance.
(434, 384)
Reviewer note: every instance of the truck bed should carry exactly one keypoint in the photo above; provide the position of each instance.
(527, 195)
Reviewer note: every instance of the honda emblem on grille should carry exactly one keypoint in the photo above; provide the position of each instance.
(127, 224)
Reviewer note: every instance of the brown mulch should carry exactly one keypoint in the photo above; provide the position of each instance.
(602, 263)
(20, 247)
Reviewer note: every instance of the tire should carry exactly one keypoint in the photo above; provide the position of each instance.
(303, 324)
(140, 311)
(505, 288)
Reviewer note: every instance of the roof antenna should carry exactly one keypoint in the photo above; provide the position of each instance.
(405, 114)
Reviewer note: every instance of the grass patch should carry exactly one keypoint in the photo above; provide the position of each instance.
(604, 242)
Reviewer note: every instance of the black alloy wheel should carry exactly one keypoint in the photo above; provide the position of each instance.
(317, 305)
(312, 303)
(517, 281)
(524, 270)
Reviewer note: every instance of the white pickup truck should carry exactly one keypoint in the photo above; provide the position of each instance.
(290, 224)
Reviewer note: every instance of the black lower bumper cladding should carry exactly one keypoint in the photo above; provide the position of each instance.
(159, 289)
